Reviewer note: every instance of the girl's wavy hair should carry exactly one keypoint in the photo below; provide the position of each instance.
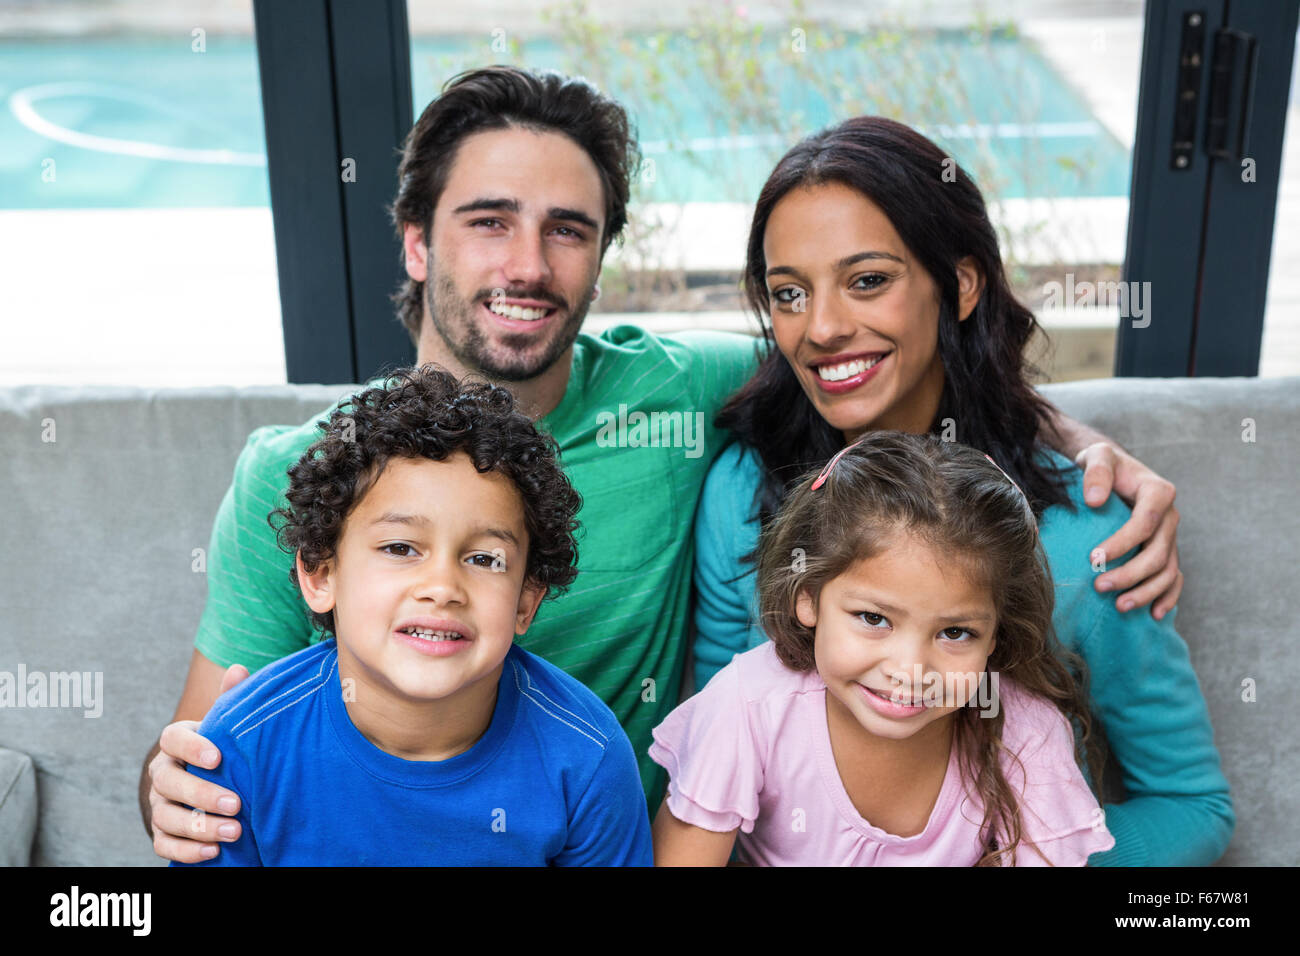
(498, 97)
(940, 215)
(892, 484)
(426, 413)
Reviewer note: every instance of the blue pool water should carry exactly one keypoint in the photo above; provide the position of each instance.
(118, 122)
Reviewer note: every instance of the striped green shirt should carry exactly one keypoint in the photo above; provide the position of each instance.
(636, 436)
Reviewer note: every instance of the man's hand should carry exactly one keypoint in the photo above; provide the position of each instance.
(1153, 573)
(179, 833)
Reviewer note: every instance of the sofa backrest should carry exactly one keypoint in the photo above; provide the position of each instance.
(1230, 447)
(96, 576)
(102, 527)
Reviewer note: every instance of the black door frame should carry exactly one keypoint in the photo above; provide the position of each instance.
(1203, 195)
(336, 101)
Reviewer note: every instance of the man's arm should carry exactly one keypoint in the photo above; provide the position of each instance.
(1152, 576)
(167, 789)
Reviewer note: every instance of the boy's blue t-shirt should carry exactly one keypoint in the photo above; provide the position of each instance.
(553, 781)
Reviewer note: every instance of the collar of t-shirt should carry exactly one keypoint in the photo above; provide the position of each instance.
(425, 773)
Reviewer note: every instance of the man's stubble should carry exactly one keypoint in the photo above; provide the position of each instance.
(457, 322)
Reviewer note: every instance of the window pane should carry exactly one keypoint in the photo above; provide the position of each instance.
(1279, 351)
(135, 227)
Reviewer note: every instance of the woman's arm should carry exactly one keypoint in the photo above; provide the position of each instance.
(1178, 810)
(1145, 693)
(724, 585)
(681, 844)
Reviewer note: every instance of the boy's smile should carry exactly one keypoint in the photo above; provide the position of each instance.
(428, 592)
(437, 637)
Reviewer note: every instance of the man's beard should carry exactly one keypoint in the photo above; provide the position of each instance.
(459, 323)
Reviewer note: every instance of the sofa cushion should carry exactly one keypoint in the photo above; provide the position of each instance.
(18, 807)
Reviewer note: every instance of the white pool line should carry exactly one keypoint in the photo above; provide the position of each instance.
(705, 144)
(21, 104)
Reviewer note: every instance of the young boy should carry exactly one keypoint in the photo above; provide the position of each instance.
(427, 525)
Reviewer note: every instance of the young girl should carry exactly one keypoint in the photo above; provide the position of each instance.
(911, 706)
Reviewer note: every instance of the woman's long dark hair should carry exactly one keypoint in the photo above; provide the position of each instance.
(940, 216)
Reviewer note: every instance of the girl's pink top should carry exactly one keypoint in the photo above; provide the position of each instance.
(752, 751)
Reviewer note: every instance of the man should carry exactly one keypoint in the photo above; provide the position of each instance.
(512, 187)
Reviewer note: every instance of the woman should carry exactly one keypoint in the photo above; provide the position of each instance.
(889, 309)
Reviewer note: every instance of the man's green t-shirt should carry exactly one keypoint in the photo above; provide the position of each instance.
(636, 437)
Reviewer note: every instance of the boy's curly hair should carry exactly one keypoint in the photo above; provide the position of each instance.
(426, 413)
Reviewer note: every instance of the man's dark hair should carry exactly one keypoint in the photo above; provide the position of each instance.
(426, 413)
(498, 97)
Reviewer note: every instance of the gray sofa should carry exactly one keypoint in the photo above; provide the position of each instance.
(101, 527)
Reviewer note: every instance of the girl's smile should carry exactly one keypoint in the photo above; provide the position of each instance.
(886, 703)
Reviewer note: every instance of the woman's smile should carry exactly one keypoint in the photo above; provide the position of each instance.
(839, 374)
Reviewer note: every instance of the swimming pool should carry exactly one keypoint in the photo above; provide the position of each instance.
(123, 122)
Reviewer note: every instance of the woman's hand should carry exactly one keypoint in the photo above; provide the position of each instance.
(1152, 575)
